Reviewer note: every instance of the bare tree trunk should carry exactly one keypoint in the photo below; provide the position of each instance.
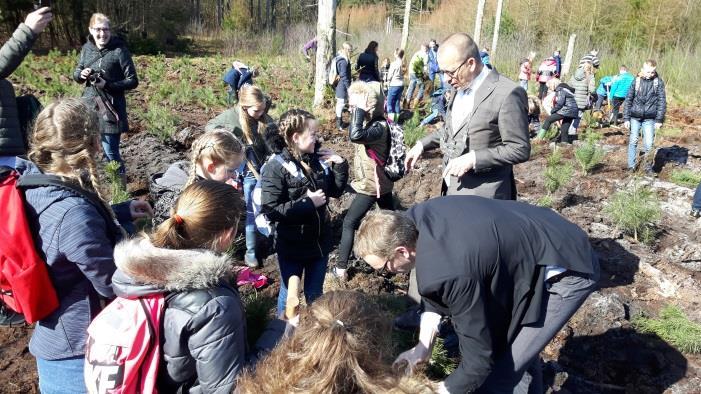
(568, 56)
(325, 35)
(405, 26)
(478, 22)
(497, 24)
(654, 30)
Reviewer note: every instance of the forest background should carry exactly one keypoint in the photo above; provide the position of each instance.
(625, 31)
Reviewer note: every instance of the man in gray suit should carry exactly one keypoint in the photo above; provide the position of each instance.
(486, 126)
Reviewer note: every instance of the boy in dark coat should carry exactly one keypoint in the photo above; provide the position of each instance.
(509, 275)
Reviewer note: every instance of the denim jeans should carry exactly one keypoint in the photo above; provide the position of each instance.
(648, 126)
(394, 98)
(314, 275)
(428, 119)
(249, 183)
(61, 376)
(340, 105)
(524, 84)
(110, 145)
(599, 101)
(696, 204)
(415, 82)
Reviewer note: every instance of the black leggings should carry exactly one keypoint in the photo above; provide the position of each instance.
(361, 204)
(564, 129)
(542, 90)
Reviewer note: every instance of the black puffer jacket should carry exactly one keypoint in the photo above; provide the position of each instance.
(367, 67)
(646, 99)
(114, 61)
(203, 333)
(302, 231)
(11, 55)
(565, 102)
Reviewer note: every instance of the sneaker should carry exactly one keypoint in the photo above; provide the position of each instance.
(695, 213)
(409, 320)
(340, 274)
(9, 318)
(253, 263)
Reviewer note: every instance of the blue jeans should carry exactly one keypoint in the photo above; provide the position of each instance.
(110, 145)
(433, 115)
(394, 98)
(314, 274)
(61, 376)
(415, 82)
(696, 204)
(648, 126)
(249, 183)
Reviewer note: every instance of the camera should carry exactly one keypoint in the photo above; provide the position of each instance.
(94, 76)
(41, 3)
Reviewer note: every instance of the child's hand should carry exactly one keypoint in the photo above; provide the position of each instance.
(318, 197)
(329, 156)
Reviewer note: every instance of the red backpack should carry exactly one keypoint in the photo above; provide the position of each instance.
(25, 285)
(124, 347)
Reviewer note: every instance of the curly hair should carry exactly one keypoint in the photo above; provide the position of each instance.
(65, 142)
(342, 345)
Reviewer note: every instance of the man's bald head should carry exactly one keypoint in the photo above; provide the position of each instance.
(457, 48)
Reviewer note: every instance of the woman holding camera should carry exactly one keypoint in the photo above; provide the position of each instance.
(106, 69)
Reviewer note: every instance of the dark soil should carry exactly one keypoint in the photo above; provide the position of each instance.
(598, 351)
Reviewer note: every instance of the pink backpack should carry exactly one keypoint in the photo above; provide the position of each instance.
(123, 347)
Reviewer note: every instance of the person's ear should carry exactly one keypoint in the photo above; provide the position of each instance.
(211, 167)
(402, 250)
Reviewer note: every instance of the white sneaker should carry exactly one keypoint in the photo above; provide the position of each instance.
(340, 273)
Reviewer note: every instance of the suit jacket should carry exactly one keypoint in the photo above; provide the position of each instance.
(482, 262)
(497, 131)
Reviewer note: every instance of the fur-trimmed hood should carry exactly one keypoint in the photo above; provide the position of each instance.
(144, 268)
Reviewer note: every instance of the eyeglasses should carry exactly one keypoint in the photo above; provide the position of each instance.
(451, 74)
(100, 29)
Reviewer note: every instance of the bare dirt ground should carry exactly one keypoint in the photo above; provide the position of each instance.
(598, 351)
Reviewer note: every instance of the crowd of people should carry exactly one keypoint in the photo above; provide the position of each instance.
(505, 292)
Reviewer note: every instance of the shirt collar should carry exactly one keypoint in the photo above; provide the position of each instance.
(477, 82)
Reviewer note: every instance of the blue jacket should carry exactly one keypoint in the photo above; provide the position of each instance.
(601, 90)
(344, 73)
(77, 245)
(433, 61)
(620, 85)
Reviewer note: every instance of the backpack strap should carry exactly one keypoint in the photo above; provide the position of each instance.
(30, 181)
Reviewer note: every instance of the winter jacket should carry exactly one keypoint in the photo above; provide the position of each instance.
(77, 243)
(238, 76)
(491, 283)
(590, 58)
(256, 150)
(583, 86)
(367, 67)
(12, 142)
(369, 178)
(558, 65)
(524, 72)
(395, 74)
(620, 85)
(117, 69)
(603, 83)
(165, 187)
(203, 332)
(546, 70)
(344, 74)
(565, 101)
(646, 99)
(303, 232)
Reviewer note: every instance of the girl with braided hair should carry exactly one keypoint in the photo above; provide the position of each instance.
(215, 155)
(295, 184)
(342, 344)
(75, 232)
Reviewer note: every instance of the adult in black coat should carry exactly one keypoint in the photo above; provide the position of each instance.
(366, 66)
(107, 55)
(343, 68)
(508, 274)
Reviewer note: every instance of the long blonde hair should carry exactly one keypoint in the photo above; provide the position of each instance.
(65, 142)
(342, 345)
(219, 145)
(376, 99)
(250, 96)
(203, 212)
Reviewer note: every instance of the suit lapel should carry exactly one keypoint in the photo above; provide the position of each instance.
(483, 92)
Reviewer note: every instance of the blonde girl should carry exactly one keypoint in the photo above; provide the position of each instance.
(296, 183)
(248, 119)
(75, 232)
(215, 155)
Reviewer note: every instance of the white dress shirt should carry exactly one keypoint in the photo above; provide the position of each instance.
(464, 101)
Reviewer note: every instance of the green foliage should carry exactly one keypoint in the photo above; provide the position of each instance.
(417, 67)
(413, 131)
(551, 133)
(118, 191)
(557, 173)
(669, 132)
(635, 210)
(259, 309)
(160, 121)
(684, 177)
(674, 327)
(588, 155)
(440, 365)
(545, 201)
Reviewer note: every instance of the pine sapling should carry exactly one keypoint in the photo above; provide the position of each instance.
(635, 210)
